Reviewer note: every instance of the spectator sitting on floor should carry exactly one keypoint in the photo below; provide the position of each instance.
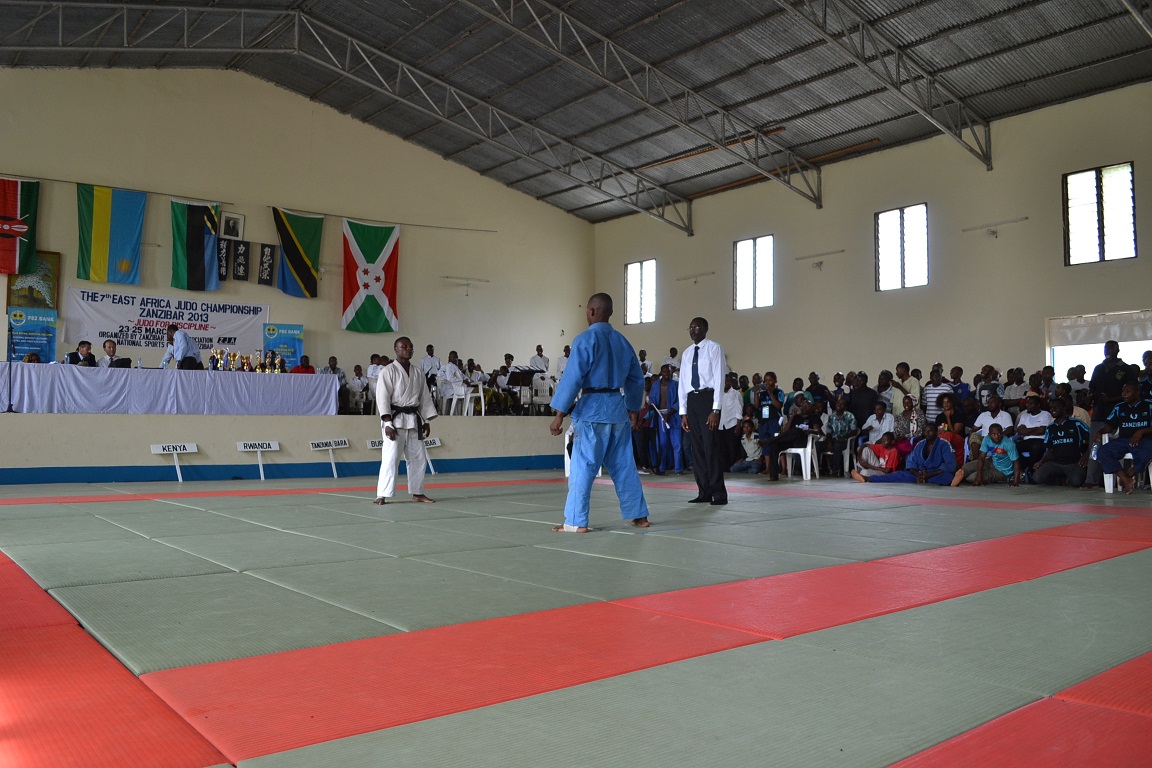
(1067, 442)
(880, 458)
(753, 460)
(997, 462)
(931, 461)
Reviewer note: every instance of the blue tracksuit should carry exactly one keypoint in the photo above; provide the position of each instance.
(601, 359)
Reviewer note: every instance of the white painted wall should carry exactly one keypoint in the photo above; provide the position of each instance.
(230, 137)
(988, 297)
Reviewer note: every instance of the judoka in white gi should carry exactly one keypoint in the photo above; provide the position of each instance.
(405, 408)
(601, 365)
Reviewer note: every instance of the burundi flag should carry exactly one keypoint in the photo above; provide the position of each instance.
(371, 252)
(195, 264)
(300, 236)
(111, 225)
(18, 203)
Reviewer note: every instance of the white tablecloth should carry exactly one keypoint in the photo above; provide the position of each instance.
(44, 388)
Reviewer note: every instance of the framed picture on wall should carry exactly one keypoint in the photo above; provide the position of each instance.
(41, 288)
(232, 226)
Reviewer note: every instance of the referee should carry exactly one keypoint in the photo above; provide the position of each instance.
(702, 370)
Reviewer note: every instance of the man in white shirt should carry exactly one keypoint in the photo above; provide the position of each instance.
(430, 365)
(109, 354)
(701, 392)
(645, 365)
(539, 362)
(562, 363)
(450, 378)
(905, 383)
(994, 415)
(357, 391)
(731, 411)
(182, 349)
(374, 367)
(878, 423)
(1031, 426)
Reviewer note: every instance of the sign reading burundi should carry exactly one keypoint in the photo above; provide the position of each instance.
(371, 253)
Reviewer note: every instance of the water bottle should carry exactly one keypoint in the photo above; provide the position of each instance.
(140, 362)
(1095, 451)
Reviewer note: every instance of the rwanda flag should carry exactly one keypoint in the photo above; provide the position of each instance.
(18, 203)
(195, 265)
(300, 237)
(111, 225)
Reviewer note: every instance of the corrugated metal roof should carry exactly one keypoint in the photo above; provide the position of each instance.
(756, 63)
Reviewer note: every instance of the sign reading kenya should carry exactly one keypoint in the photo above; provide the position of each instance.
(142, 321)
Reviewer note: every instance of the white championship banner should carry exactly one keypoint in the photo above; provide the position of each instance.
(133, 320)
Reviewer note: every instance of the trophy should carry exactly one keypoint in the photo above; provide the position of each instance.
(232, 358)
(280, 364)
(214, 360)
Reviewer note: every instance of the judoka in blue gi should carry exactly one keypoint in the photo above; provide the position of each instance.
(602, 364)
(931, 461)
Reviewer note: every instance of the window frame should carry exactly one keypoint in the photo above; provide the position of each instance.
(628, 297)
(1102, 249)
(903, 260)
(754, 277)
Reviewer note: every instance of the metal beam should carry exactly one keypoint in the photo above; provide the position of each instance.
(843, 28)
(260, 32)
(1139, 15)
(551, 29)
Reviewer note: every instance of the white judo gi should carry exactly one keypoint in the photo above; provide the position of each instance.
(397, 388)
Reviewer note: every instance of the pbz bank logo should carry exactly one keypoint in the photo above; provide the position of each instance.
(271, 331)
(18, 318)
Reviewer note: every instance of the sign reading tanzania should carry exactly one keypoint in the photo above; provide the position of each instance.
(323, 445)
(142, 321)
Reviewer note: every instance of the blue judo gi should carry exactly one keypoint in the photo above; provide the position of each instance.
(939, 457)
(601, 364)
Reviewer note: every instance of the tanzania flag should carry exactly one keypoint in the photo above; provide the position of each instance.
(18, 202)
(371, 252)
(300, 236)
(195, 263)
(111, 225)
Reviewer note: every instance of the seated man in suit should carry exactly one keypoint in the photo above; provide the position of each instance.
(82, 356)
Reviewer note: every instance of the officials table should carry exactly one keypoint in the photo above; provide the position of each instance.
(52, 388)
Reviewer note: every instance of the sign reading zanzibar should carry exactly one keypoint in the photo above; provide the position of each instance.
(133, 320)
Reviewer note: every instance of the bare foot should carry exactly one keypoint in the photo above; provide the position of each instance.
(957, 478)
(380, 502)
(1126, 482)
(858, 477)
(639, 522)
(568, 529)
(422, 498)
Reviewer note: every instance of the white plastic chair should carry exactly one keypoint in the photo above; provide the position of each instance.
(809, 461)
(476, 392)
(1110, 480)
(541, 396)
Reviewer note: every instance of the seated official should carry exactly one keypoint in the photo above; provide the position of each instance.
(931, 461)
(342, 380)
(305, 366)
(109, 355)
(82, 356)
(1067, 443)
(357, 390)
(997, 462)
(1132, 418)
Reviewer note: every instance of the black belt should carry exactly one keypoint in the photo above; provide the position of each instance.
(594, 391)
(415, 411)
